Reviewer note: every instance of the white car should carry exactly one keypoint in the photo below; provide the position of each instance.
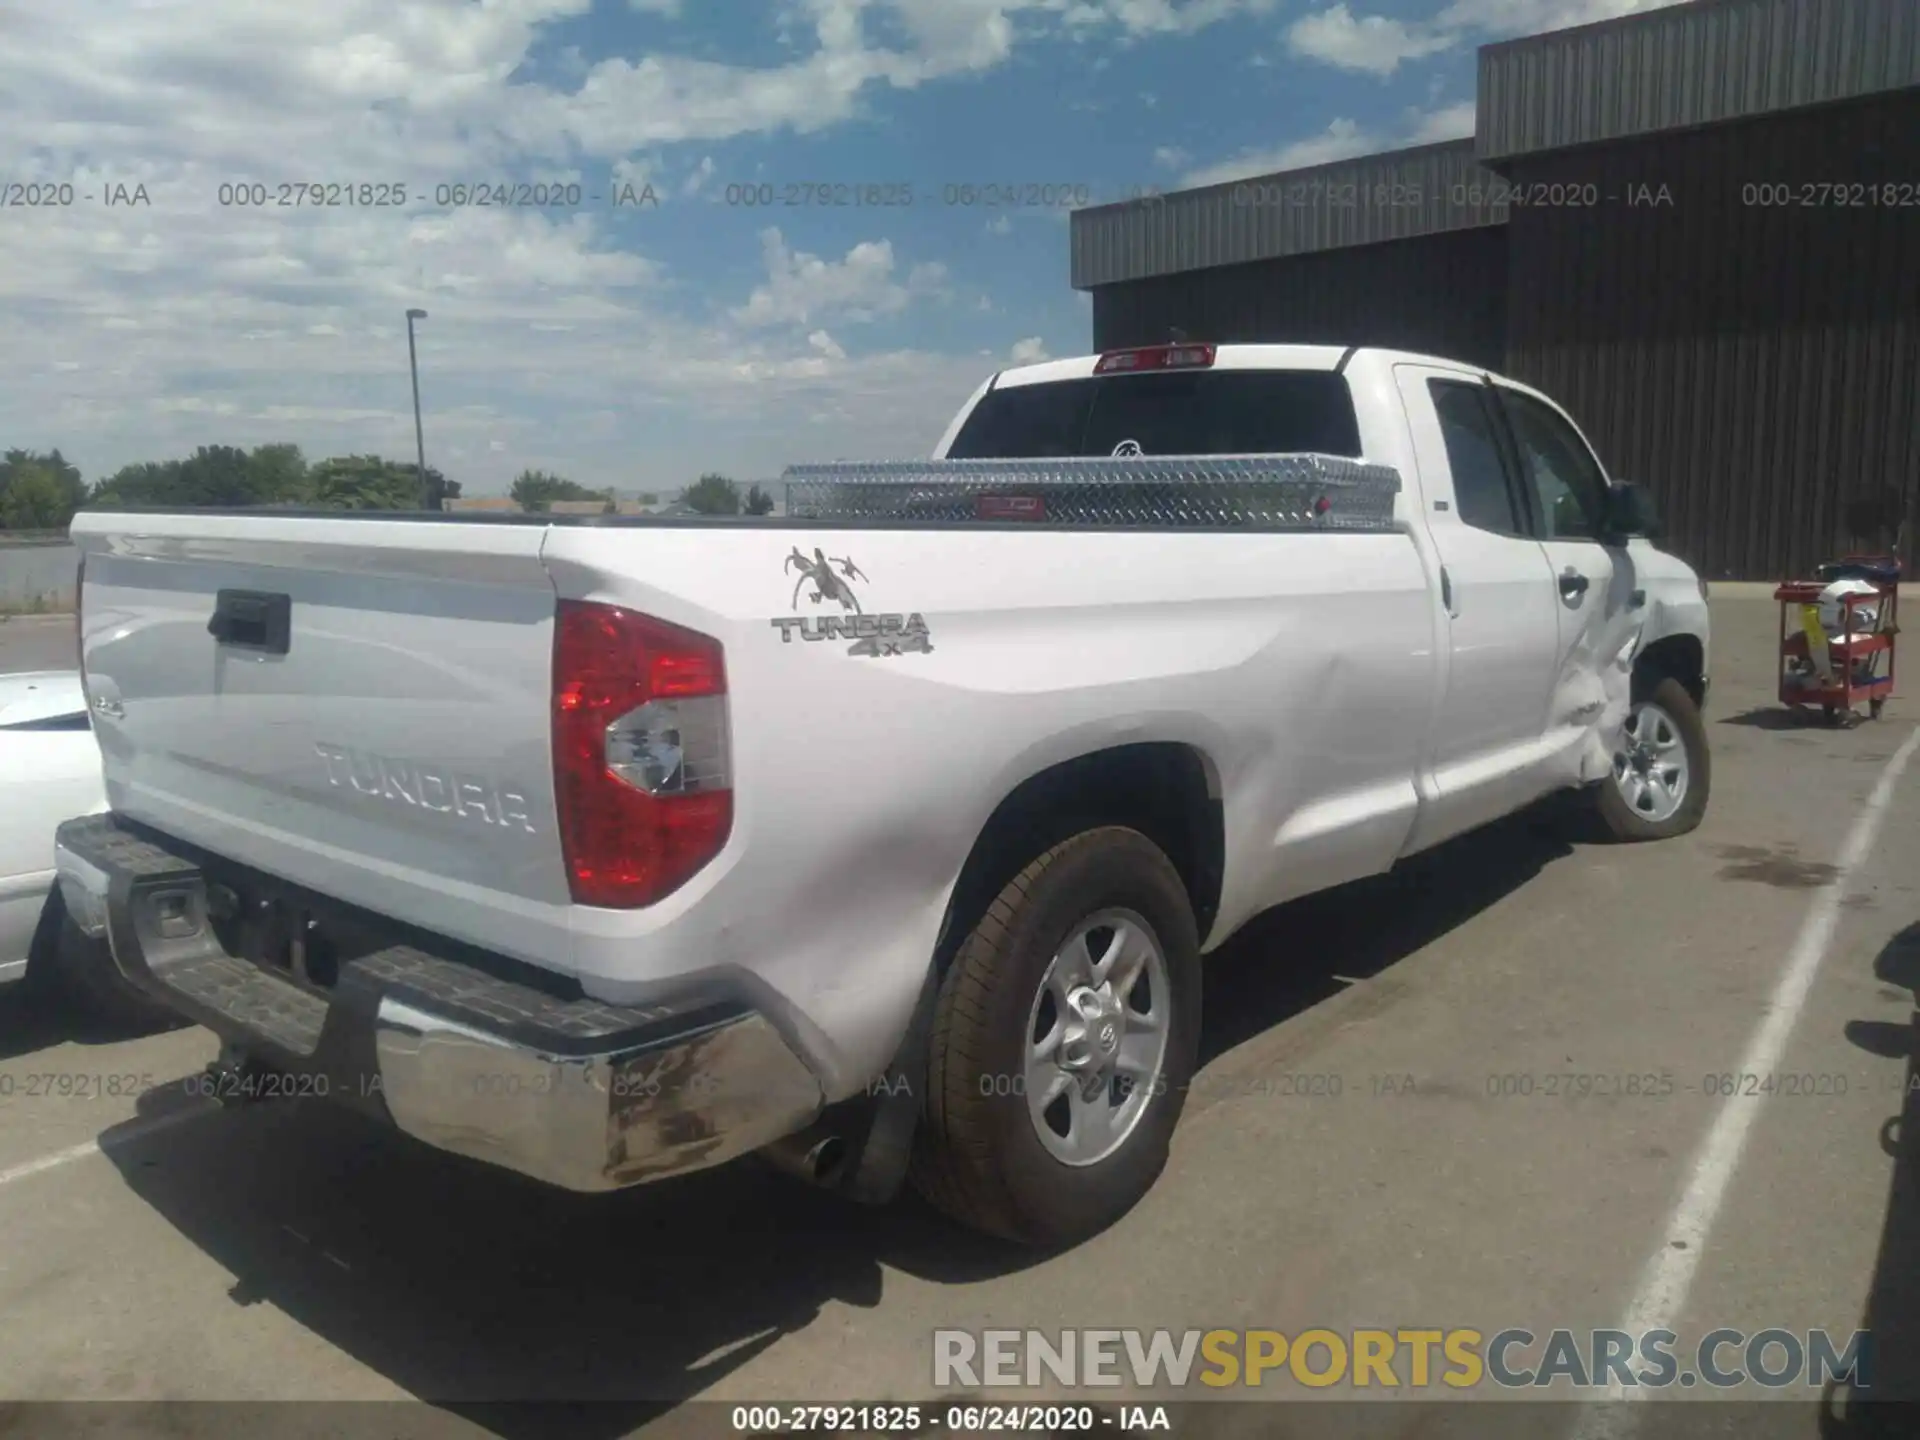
(604, 848)
(50, 771)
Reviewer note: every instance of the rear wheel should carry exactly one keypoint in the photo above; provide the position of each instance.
(1662, 771)
(1063, 1042)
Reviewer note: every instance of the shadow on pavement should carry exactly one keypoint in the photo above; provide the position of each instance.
(1771, 717)
(479, 1292)
(1298, 955)
(1890, 1406)
(36, 1015)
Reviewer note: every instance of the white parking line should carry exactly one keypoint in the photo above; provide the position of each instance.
(1668, 1275)
(138, 1131)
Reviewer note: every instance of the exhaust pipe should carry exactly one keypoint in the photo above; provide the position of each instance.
(817, 1155)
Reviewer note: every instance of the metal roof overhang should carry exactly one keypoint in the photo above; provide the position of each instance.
(1674, 68)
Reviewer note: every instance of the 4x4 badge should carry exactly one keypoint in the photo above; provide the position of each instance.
(892, 634)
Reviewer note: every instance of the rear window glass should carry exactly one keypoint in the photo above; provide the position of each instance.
(1199, 412)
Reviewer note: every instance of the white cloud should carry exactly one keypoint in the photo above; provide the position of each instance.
(1530, 17)
(1030, 351)
(1379, 44)
(1000, 225)
(186, 322)
(702, 173)
(1170, 157)
(1341, 140)
(1449, 122)
(1156, 17)
(1374, 44)
(801, 288)
(668, 8)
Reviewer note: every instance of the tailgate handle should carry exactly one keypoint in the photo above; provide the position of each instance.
(253, 619)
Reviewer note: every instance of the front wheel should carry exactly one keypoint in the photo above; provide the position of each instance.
(1662, 771)
(1063, 1042)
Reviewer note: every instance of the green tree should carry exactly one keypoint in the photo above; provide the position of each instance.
(364, 482)
(212, 475)
(32, 500)
(49, 490)
(145, 483)
(759, 502)
(713, 494)
(278, 473)
(537, 489)
(647, 497)
(221, 475)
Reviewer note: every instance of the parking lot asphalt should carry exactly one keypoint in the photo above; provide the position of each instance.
(158, 1248)
(36, 642)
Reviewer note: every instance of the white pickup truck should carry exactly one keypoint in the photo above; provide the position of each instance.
(883, 837)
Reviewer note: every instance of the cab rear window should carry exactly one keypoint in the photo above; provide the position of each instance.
(1210, 412)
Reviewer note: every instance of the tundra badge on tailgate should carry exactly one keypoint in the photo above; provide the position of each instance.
(831, 578)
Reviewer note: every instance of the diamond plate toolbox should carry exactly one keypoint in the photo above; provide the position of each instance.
(1268, 492)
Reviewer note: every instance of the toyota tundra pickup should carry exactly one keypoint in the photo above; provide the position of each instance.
(884, 837)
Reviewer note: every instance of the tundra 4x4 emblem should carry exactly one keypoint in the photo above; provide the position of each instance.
(870, 634)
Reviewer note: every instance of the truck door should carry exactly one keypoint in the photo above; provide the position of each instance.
(1486, 754)
(1599, 600)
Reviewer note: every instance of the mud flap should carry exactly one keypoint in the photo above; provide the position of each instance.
(878, 1167)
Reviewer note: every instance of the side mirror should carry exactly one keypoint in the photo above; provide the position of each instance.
(1631, 514)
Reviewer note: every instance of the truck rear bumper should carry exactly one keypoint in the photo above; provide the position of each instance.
(458, 1054)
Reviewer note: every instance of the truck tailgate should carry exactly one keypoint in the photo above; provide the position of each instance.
(393, 753)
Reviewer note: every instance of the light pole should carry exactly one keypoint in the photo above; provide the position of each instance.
(419, 437)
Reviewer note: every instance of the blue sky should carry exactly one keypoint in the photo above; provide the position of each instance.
(632, 346)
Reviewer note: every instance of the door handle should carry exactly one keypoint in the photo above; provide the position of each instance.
(1446, 593)
(1573, 584)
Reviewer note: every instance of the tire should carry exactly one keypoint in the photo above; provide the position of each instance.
(81, 971)
(1624, 820)
(979, 1156)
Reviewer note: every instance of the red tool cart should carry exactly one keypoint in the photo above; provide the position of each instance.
(1856, 671)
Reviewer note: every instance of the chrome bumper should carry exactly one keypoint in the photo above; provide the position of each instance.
(597, 1121)
(573, 1092)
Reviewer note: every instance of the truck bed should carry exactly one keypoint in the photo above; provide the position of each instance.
(398, 757)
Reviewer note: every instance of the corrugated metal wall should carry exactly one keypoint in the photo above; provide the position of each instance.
(1757, 365)
(1442, 294)
(1689, 65)
(1363, 201)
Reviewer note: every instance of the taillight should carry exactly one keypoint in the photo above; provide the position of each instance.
(1157, 357)
(641, 777)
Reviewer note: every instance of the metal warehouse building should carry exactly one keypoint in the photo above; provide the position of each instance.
(1697, 228)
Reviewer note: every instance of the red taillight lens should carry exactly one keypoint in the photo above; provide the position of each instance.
(641, 774)
(1157, 357)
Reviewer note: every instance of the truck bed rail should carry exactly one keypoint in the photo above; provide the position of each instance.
(1265, 492)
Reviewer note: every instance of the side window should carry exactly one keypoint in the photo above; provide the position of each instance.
(1567, 479)
(1482, 496)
